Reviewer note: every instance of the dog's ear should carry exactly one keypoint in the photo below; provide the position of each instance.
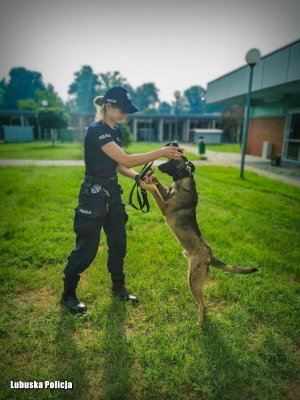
(175, 144)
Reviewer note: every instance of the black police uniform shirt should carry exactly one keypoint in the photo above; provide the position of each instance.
(97, 163)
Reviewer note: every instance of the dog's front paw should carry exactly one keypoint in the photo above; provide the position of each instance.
(155, 181)
(147, 186)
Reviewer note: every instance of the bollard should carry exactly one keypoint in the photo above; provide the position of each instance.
(201, 145)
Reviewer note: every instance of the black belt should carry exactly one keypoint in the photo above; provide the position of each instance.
(95, 180)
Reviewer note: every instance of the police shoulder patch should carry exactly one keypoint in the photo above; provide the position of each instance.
(105, 136)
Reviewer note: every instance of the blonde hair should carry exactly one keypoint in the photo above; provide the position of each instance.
(100, 108)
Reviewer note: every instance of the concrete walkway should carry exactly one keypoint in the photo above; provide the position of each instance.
(261, 166)
(290, 174)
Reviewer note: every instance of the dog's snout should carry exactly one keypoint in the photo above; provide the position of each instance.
(161, 167)
(169, 167)
(166, 167)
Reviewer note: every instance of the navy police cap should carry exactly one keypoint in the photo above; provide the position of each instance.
(120, 97)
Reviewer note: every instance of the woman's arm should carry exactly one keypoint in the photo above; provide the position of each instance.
(130, 173)
(133, 160)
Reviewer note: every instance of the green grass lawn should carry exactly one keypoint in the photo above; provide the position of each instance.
(42, 151)
(223, 148)
(248, 346)
(65, 151)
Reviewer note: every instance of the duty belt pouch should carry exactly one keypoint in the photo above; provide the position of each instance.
(93, 201)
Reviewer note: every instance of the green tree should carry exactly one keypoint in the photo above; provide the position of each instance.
(110, 79)
(127, 135)
(165, 108)
(52, 119)
(84, 89)
(2, 91)
(48, 95)
(180, 105)
(232, 123)
(28, 104)
(195, 96)
(23, 84)
(146, 97)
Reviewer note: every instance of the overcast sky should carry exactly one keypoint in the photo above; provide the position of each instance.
(175, 44)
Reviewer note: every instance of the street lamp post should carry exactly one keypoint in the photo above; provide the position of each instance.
(252, 58)
(177, 97)
(44, 103)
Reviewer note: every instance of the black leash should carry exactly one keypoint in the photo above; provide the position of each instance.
(141, 194)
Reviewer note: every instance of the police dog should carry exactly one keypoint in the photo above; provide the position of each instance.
(178, 206)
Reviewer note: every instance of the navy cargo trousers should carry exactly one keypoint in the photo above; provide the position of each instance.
(100, 205)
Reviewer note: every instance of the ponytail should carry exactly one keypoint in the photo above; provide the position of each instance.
(100, 108)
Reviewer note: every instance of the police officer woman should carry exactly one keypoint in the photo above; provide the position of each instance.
(100, 204)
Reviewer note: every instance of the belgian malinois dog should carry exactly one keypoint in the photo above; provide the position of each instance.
(178, 205)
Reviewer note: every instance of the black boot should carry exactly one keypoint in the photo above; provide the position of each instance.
(73, 303)
(69, 298)
(119, 290)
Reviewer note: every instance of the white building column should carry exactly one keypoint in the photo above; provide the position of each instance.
(160, 130)
(213, 124)
(185, 136)
(135, 124)
(81, 123)
(39, 132)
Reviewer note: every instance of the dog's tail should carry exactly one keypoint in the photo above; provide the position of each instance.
(231, 268)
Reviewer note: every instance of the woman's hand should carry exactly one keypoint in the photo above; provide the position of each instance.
(172, 152)
(149, 178)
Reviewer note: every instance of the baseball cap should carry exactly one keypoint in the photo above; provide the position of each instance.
(120, 97)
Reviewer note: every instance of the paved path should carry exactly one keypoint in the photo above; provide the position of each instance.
(258, 165)
(261, 166)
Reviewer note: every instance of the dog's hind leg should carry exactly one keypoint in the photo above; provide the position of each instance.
(198, 272)
(186, 254)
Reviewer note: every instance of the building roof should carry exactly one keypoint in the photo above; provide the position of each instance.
(276, 75)
(155, 115)
(215, 115)
(139, 115)
(208, 131)
(17, 112)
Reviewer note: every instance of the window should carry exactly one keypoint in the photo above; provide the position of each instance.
(292, 137)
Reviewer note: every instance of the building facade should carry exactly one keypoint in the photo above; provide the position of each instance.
(145, 127)
(166, 128)
(275, 102)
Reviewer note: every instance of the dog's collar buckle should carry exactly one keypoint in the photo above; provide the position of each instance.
(188, 168)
